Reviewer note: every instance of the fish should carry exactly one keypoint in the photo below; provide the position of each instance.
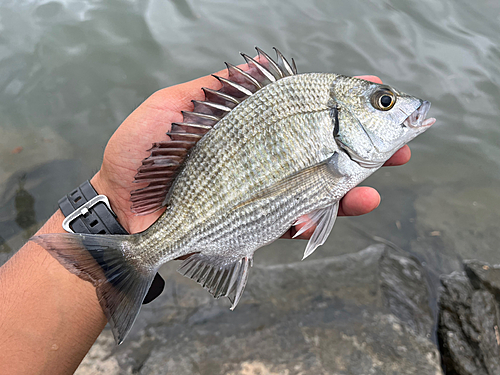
(270, 149)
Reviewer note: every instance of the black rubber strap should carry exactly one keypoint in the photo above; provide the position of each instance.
(99, 219)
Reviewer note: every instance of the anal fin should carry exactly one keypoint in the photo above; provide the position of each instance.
(220, 277)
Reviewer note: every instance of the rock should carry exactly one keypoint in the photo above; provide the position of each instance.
(469, 319)
(406, 293)
(362, 313)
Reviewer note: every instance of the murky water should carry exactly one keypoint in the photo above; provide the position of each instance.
(71, 71)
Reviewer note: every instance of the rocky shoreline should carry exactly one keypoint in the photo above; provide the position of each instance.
(469, 319)
(363, 313)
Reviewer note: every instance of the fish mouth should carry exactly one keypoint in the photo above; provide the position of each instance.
(418, 118)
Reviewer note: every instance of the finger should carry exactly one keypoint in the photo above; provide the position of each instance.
(400, 157)
(293, 230)
(374, 79)
(359, 201)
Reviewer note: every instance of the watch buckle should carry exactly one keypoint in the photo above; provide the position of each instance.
(84, 210)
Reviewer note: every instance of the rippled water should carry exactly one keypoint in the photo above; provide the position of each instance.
(71, 71)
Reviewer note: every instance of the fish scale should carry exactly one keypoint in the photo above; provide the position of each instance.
(267, 148)
(208, 202)
(238, 140)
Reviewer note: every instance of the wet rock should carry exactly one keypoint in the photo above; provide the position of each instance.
(362, 313)
(405, 290)
(468, 327)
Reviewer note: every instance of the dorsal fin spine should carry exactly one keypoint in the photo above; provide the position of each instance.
(210, 104)
(250, 61)
(160, 169)
(229, 98)
(283, 63)
(234, 85)
(270, 61)
(252, 80)
(294, 67)
(200, 126)
(203, 116)
(196, 136)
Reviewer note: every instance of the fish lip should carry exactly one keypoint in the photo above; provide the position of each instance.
(418, 118)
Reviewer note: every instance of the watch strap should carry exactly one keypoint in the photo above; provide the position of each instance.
(88, 212)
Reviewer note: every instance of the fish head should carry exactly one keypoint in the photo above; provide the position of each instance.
(375, 120)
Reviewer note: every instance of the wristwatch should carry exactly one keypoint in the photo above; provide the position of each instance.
(88, 212)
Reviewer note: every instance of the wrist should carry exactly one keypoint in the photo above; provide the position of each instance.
(100, 186)
(117, 203)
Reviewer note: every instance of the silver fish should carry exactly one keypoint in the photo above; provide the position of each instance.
(267, 148)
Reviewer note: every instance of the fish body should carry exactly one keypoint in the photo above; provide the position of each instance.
(247, 152)
(268, 148)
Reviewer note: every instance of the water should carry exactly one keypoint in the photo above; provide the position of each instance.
(71, 71)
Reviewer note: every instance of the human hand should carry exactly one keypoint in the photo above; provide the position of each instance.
(149, 123)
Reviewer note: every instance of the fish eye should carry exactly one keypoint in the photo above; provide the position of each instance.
(383, 99)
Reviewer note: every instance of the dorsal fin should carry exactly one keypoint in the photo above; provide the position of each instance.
(165, 161)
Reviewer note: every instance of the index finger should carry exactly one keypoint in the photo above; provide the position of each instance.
(373, 79)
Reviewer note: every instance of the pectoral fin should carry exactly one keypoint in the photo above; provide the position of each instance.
(323, 219)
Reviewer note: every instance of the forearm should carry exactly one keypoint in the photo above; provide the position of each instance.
(49, 318)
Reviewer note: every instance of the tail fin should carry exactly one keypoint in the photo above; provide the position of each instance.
(106, 261)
